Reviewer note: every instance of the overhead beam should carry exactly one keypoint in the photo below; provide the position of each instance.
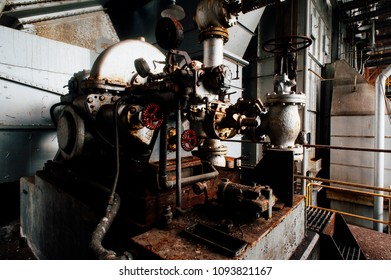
(368, 15)
(378, 25)
(356, 4)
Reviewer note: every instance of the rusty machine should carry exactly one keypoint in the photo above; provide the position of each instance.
(147, 128)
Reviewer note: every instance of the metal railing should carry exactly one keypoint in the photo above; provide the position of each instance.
(309, 188)
(377, 194)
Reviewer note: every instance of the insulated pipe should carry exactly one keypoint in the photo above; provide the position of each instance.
(213, 52)
(379, 144)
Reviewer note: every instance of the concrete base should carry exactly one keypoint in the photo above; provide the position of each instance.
(58, 221)
(275, 239)
(309, 249)
(55, 224)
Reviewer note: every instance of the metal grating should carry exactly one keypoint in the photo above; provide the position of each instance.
(318, 219)
(349, 253)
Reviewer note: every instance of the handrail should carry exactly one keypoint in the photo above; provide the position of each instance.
(309, 201)
(328, 147)
(343, 183)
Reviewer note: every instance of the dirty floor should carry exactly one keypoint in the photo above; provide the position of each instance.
(375, 245)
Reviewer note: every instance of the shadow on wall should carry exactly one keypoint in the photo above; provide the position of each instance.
(24, 152)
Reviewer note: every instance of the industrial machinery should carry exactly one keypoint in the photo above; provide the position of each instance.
(147, 128)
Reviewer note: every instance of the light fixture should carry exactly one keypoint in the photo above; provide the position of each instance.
(173, 11)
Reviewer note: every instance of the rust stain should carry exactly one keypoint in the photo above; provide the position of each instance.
(171, 245)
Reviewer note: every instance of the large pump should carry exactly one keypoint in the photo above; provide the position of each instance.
(148, 126)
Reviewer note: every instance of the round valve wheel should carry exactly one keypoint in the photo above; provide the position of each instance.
(152, 116)
(189, 140)
(283, 44)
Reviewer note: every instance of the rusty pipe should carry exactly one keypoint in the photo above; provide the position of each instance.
(195, 179)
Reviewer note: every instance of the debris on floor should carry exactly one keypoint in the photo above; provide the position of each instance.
(12, 245)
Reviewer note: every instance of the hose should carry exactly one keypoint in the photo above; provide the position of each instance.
(101, 230)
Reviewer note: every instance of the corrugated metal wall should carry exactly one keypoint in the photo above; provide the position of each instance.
(352, 125)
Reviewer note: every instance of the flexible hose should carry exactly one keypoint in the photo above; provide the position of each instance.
(101, 230)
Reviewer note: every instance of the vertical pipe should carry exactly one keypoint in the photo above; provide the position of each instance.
(178, 156)
(163, 153)
(379, 144)
(373, 34)
(304, 163)
(258, 148)
(213, 51)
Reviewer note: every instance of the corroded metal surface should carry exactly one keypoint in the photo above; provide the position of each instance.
(82, 30)
(276, 238)
(82, 23)
(375, 245)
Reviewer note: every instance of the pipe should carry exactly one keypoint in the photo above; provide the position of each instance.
(163, 153)
(378, 208)
(304, 163)
(213, 52)
(196, 178)
(178, 171)
(373, 35)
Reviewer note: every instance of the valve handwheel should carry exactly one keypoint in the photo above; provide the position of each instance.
(287, 43)
(152, 116)
(189, 140)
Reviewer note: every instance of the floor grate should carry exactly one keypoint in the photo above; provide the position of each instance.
(317, 219)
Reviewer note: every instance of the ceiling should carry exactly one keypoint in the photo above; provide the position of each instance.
(370, 24)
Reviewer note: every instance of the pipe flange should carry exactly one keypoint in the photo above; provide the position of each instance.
(212, 147)
(286, 99)
(222, 150)
(214, 32)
